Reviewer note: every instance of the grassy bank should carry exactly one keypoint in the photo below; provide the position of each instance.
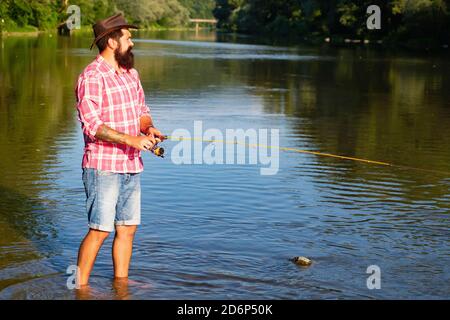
(32, 31)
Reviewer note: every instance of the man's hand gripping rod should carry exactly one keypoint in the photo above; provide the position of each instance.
(157, 150)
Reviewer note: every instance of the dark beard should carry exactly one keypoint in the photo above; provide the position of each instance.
(124, 60)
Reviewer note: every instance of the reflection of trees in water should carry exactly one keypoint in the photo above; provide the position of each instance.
(36, 107)
(167, 75)
(176, 35)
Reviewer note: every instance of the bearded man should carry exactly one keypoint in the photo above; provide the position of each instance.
(117, 126)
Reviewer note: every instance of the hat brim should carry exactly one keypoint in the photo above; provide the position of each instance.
(105, 33)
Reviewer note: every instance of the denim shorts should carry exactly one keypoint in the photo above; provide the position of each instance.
(112, 198)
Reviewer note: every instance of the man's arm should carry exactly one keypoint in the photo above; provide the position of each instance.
(145, 122)
(105, 133)
(147, 127)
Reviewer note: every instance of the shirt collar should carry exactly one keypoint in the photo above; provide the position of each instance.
(107, 68)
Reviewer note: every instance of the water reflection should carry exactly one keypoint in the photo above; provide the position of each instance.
(121, 289)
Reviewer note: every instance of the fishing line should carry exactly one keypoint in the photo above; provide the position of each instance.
(316, 153)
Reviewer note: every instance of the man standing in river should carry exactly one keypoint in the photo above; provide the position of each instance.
(113, 115)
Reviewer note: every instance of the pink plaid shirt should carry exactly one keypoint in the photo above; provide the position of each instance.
(105, 96)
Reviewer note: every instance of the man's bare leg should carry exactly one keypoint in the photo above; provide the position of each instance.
(122, 249)
(88, 253)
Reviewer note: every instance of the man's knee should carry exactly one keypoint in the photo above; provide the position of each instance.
(98, 235)
(125, 232)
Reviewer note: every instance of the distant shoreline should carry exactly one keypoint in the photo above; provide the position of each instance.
(23, 33)
(89, 29)
(338, 40)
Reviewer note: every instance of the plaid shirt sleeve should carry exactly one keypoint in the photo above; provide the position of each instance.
(89, 93)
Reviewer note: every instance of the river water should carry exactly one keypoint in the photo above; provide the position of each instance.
(226, 231)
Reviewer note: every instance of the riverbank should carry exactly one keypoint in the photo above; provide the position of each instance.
(32, 31)
(21, 31)
(388, 43)
(24, 33)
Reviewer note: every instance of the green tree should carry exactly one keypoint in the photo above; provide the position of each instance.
(46, 14)
(199, 8)
(151, 12)
(425, 21)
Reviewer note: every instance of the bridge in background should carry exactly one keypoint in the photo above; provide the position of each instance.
(198, 21)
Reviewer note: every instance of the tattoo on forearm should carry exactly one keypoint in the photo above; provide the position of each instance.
(105, 133)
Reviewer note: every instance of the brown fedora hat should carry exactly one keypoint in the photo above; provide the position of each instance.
(103, 27)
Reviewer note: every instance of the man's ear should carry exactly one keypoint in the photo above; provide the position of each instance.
(112, 43)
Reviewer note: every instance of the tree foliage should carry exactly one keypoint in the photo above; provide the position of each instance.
(199, 8)
(401, 19)
(42, 14)
(46, 14)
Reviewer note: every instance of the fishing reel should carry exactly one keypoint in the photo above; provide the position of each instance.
(157, 150)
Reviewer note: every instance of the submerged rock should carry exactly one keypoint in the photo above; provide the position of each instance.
(302, 261)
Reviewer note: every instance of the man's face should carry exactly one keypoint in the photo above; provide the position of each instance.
(122, 53)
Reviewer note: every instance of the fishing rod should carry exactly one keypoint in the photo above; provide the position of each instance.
(159, 151)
